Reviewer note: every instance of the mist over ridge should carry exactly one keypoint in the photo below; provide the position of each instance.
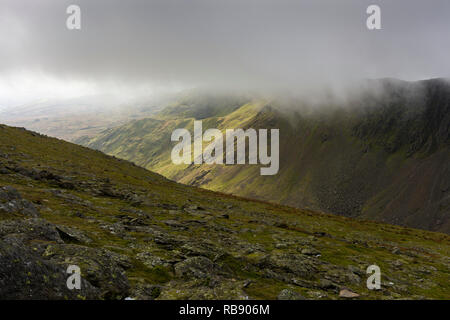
(264, 46)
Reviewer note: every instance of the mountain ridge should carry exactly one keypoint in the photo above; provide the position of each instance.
(350, 159)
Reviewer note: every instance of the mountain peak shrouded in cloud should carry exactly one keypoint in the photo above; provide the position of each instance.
(235, 44)
(337, 125)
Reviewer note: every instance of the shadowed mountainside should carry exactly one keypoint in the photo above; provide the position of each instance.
(382, 154)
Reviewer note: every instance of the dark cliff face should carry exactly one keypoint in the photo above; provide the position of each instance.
(385, 157)
(413, 115)
(409, 128)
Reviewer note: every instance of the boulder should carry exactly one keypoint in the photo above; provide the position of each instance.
(196, 267)
(30, 229)
(346, 293)
(12, 202)
(145, 291)
(70, 234)
(288, 294)
(104, 269)
(24, 275)
(297, 265)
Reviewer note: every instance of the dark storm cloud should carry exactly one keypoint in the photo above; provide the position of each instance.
(249, 43)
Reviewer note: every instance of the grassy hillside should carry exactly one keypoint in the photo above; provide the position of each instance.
(135, 233)
(380, 155)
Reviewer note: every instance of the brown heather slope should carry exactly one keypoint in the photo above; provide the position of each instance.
(134, 233)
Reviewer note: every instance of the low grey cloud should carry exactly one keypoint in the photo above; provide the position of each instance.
(232, 43)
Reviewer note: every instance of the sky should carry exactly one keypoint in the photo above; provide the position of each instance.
(139, 47)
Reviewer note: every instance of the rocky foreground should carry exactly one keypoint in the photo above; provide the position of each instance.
(135, 234)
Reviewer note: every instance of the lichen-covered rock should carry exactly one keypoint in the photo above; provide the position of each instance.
(309, 251)
(102, 268)
(326, 284)
(9, 193)
(12, 202)
(201, 248)
(151, 260)
(30, 229)
(204, 289)
(196, 267)
(24, 275)
(291, 263)
(70, 234)
(288, 294)
(145, 291)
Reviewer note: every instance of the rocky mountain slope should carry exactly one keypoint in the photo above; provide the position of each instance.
(133, 233)
(381, 154)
